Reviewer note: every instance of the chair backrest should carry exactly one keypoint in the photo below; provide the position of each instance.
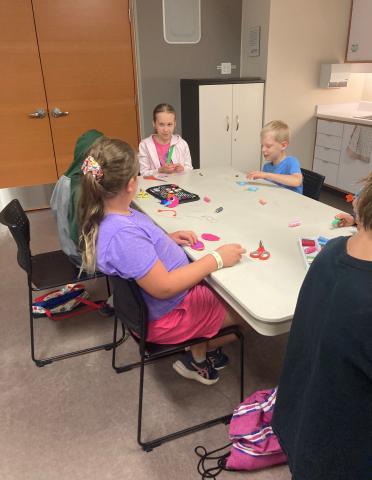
(130, 306)
(312, 183)
(14, 217)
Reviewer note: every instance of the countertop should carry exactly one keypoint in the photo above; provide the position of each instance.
(352, 112)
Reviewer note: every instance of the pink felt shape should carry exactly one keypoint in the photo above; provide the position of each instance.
(173, 202)
(210, 237)
(198, 245)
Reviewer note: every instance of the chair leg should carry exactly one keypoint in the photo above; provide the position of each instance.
(40, 362)
(150, 445)
(241, 341)
(108, 286)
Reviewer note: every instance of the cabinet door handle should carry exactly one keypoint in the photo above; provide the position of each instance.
(237, 122)
(227, 123)
(39, 113)
(57, 112)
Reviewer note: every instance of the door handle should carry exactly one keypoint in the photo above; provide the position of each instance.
(227, 123)
(237, 122)
(57, 112)
(39, 113)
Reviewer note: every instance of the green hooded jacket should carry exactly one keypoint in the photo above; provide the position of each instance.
(82, 146)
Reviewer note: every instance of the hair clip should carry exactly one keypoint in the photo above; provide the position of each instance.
(91, 165)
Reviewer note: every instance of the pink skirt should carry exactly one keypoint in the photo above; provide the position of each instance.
(201, 314)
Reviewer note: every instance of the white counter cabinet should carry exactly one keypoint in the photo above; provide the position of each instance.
(343, 153)
(221, 122)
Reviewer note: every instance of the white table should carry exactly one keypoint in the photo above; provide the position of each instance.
(264, 293)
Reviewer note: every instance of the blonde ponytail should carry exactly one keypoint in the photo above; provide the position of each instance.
(118, 164)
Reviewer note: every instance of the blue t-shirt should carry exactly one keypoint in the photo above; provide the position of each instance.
(129, 246)
(287, 166)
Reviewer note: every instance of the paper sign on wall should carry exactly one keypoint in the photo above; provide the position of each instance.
(254, 41)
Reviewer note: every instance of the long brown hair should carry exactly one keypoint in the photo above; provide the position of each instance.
(163, 107)
(119, 164)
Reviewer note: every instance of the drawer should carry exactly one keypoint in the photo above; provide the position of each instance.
(327, 154)
(329, 170)
(330, 128)
(328, 141)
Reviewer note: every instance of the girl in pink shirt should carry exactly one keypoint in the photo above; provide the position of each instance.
(163, 151)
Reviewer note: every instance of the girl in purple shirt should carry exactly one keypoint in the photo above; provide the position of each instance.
(124, 242)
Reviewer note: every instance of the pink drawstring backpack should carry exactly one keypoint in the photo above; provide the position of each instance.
(254, 444)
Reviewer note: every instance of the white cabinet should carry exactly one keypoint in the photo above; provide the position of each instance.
(327, 150)
(343, 153)
(222, 122)
(360, 32)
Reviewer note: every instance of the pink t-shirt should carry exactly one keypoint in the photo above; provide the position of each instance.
(162, 150)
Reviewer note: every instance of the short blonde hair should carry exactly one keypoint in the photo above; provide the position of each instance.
(278, 128)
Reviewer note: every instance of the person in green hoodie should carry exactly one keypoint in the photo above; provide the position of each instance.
(64, 204)
(65, 198)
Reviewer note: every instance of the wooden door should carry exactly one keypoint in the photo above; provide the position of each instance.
(215, 107)
(246, 126)
(27, 156)
(86, 54)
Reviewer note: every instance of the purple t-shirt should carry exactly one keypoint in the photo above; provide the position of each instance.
(129, 246)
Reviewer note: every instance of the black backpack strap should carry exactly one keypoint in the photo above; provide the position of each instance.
(219, 461)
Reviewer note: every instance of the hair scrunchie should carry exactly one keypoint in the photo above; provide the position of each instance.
(91, 165)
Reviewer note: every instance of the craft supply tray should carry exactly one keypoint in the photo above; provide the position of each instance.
(162, 191)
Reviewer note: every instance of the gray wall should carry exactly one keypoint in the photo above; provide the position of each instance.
(161, 66)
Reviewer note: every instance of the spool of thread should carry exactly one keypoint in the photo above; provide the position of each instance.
(307, 242)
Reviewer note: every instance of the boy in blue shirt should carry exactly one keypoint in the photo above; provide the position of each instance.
(281, 168)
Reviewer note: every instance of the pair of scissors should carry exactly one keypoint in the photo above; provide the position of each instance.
(260, 253)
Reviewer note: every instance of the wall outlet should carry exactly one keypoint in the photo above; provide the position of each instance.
(225, 68)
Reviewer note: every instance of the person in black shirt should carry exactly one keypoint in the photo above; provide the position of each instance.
(323, 413)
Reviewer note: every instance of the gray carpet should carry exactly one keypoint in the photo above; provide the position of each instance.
(76, 419)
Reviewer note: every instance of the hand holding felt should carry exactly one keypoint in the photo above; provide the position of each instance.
(167, 168)
(184, 237)
(179, 168)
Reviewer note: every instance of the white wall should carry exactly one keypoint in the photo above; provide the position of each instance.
(162, 65)
(254, 12)
(301, 36)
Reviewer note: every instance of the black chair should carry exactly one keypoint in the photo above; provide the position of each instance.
(131, 310)
(45, 271)
(312, 183)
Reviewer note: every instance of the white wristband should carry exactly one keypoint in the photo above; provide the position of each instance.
(218, 259)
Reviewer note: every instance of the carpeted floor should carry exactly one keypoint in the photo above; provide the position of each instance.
(76, 419)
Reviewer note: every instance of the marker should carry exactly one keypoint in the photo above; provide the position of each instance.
(219, 209)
